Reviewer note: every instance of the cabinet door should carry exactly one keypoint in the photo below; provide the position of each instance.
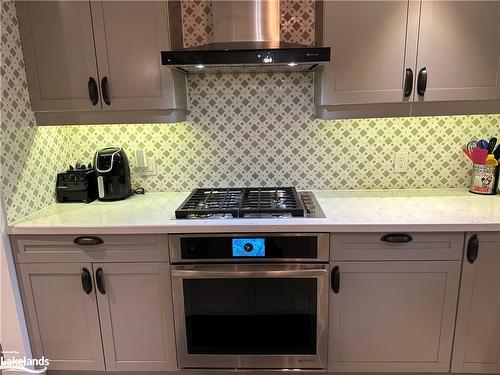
(459, 45)
(477, 338)
(393, 316)
(136, 316)
(370, 51)
(62, 318)
(129, 38)
(59, 53)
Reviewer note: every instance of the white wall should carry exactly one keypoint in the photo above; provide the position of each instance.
(13, 332)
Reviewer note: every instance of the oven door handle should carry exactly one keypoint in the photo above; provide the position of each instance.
(239, 273)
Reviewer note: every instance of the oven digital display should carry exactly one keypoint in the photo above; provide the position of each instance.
(249, 247)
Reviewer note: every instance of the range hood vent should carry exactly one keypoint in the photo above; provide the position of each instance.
(246, 38)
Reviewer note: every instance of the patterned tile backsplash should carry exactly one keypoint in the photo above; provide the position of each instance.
(297, 21)
(243, 129)
(197, 22)
(258, 129)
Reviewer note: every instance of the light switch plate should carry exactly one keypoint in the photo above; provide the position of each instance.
(141, 161)
(400, 162)
(150, 168)
(145, 165)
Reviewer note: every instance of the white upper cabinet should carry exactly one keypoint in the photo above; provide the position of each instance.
(369, 58)
(129, 36)
(89, 62)
(459, 46)
(59, 52)
(410, 51)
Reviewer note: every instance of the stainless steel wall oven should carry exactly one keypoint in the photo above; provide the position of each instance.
(251, 300)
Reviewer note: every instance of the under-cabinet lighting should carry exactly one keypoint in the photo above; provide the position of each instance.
(292, 64)
(199, 66)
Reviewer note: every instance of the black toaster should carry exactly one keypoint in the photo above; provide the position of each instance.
(77, 184)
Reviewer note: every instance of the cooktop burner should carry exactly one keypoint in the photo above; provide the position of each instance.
(267, 202)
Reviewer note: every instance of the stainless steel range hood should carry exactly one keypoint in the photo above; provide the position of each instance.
(246, 37)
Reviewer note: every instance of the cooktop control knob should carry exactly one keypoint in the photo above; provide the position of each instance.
(248, 247)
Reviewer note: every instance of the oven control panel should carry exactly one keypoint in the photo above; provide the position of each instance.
(248, 247)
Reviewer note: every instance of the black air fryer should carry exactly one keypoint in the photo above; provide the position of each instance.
(113, 174)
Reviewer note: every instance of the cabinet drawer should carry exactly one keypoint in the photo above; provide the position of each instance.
(372, 246)
(114, 248)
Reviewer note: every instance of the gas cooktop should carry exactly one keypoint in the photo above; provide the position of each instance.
(260, 202)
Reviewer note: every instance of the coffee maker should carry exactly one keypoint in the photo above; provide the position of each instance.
(113, 174)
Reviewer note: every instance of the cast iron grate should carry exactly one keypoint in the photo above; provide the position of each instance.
(239, 202)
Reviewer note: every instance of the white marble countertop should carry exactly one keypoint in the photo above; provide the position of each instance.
(346, 211)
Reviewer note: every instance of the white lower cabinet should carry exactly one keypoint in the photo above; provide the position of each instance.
(62, 318)
(392, 316)
(477, 337)
(135, 312)
(100, 316)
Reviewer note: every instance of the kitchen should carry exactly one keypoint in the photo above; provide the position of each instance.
(310, 215)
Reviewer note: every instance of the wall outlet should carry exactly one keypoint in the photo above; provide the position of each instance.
(400, 162)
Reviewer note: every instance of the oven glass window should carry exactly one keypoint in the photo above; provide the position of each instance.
(251, 316)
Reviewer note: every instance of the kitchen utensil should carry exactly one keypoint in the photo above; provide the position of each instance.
(490, 160)
(491, 145)
(466, 152)
(478, 155)
(496, 153)
(471, 146)
(483, 143)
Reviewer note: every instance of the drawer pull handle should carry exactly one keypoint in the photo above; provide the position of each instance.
(86, 280)
(396, 238)
(99, 278)
(335, 279)
(472, 249)
(88, 241)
